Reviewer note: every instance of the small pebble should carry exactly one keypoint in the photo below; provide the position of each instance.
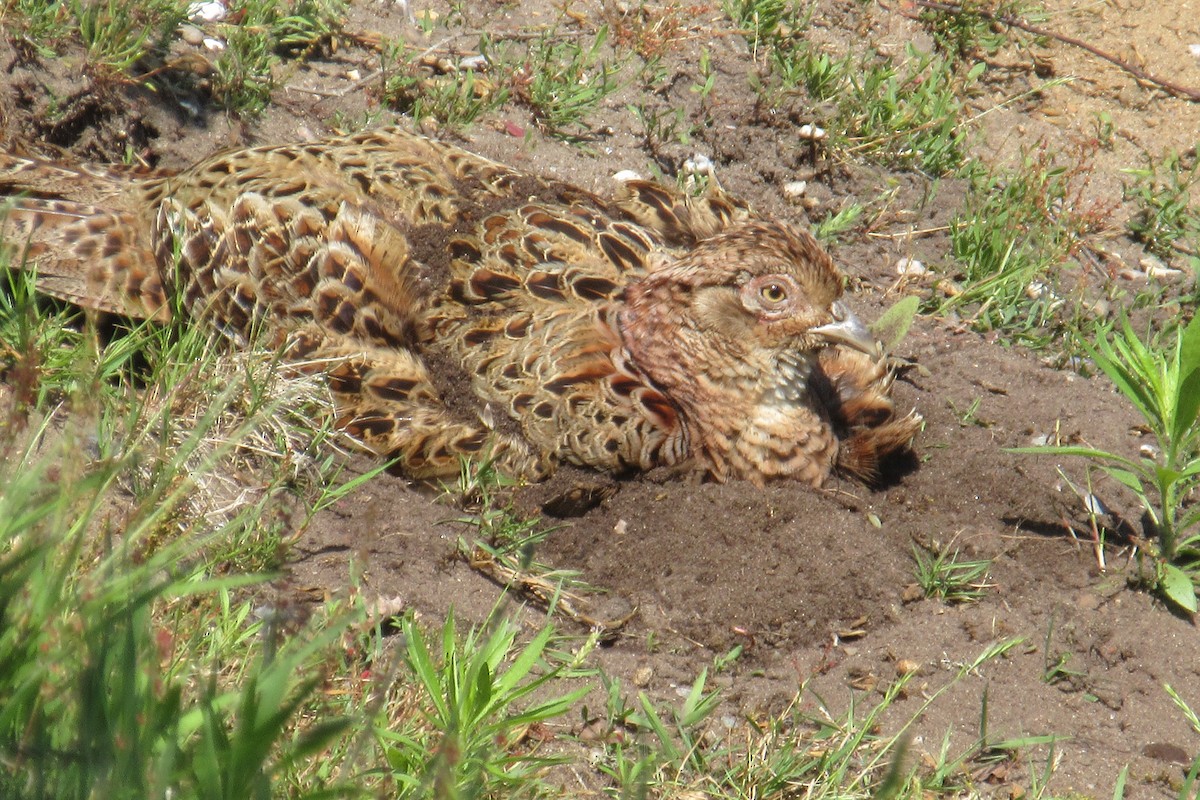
(698, 164)
(1194, 49)
(478, 62)
(906, 666)
(794, 190)
(812, 132)
(621, 528)
(191, 34)
(641, 678)
(910, 266)
(207, 12)
(1155, 268)
(353, 74)
(626, 175)
(213, 43)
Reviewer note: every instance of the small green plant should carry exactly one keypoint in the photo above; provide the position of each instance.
(962, 31)
(563, 83)
(245, 71)
(119, 34)
(1166, 219)
(470, 735)
(111, 681)
(1012, 239)
(942, 574)
(454, 100)
(1163, 384)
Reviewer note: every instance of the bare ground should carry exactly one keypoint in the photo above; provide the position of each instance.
(815, 586)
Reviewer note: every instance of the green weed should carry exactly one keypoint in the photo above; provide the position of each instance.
(964, 32)
(820, 754)
(245, 72)
(119, 34)
(471, 734)
(942, 574)
(454, 100)
(1013, 242)
(1166, 220)
(1163, 384)
(106, 684)
(563, 83)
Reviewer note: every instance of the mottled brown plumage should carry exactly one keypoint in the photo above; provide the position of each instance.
(465, 307)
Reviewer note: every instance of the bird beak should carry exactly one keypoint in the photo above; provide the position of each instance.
(846, 329)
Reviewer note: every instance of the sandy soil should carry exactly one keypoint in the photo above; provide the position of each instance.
(816, 586)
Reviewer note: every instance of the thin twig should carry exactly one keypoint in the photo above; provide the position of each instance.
(1170, 87)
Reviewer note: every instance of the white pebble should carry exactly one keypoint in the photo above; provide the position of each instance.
(812, 132)
(698, 164)
(1148, 451)
(353, 74)
(625, 176)
(794, 190)
(191, 34)
(910, 266)
(1194, 49)
(1155, 268)
(207, 12)
(213, 43)
(1041, 440)
(478, 62)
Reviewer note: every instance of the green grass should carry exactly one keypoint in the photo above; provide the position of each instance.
(563, 82)
(453, 100)
(942, 574)
(268, 35)
(1167, 221)
(1017, 243)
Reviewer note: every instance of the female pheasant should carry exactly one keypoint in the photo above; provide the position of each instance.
(466, 307)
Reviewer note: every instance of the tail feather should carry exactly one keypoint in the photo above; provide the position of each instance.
(93, 255)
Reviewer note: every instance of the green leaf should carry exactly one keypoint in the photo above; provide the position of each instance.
(893, 324)
(1177, 586)
(1187, 402)
(1127, 478)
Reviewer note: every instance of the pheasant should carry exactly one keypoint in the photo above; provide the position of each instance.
(466, 309)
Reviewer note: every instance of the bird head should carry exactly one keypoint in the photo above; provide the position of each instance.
(731, 331)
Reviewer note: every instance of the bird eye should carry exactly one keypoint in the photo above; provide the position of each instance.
(773, 293)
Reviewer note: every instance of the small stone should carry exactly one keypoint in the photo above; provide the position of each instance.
(1194, 49)
(1155, 268)
(621, 528)
(191, 34)
(353, 74)
(213, 43)
(207, 12)
(812, 132)
(477, 62)
(698, 164)
(794, 190)
(642, 677)
(912, 593)
(626, 175)
(910, 266)
(906, 667)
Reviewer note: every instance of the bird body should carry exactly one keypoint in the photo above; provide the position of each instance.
(462, 307)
